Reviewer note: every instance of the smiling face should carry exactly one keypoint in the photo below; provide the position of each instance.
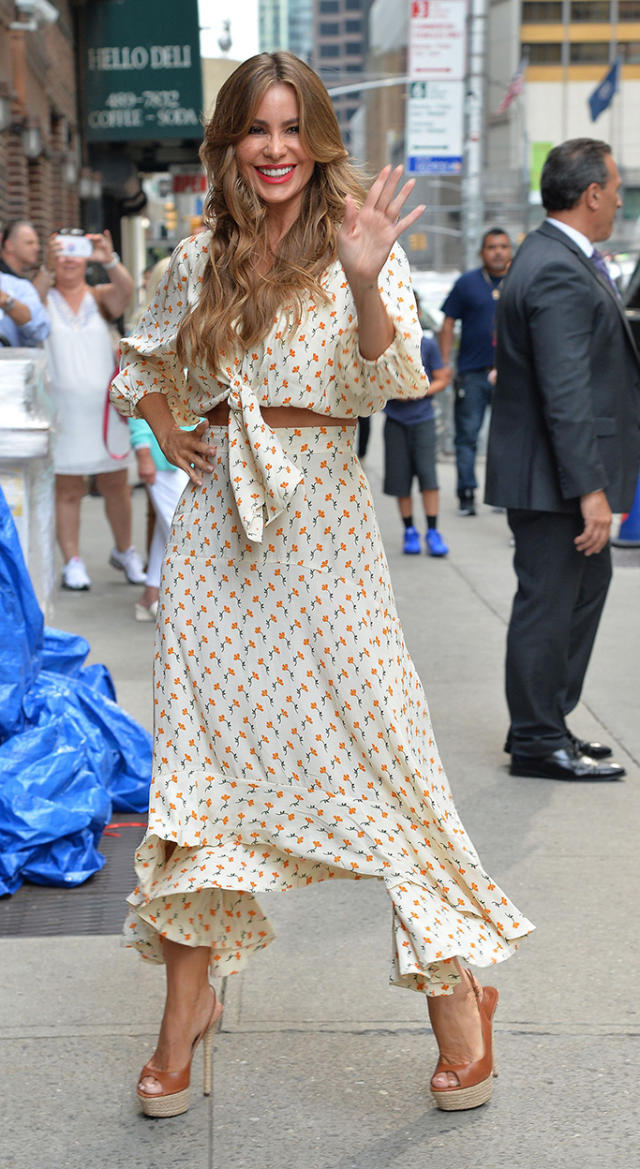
(272, 159)
(70, 272)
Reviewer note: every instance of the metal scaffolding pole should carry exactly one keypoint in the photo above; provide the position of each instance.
(472, 187)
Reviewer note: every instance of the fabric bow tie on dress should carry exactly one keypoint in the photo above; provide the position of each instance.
(598, 261)
(262, 478)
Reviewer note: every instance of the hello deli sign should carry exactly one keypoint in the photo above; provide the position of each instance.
(140, 80)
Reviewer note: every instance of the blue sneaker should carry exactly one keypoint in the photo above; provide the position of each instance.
(411, 546)
(435, 544)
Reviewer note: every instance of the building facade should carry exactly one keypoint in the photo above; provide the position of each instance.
(340, 45)
(39, 140)
(286, 24)
(567, 47)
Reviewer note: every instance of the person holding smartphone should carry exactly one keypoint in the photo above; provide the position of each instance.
(80, 350)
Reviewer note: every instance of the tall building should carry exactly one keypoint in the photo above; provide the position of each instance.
(286, 24)
(568, 46)
(39, 133)
(340, 40)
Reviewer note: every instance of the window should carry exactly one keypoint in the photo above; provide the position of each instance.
(329, 51)
(593, 10)
(543, 53)
(351, 26)
(329, 6)
(329, 28)
(536, 11)
(353, 47)
(630, 52)
(589, 53)
(353, 5)
(628, 9)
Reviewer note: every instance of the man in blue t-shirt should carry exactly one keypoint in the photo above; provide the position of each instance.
(473, 301)
(410, 450)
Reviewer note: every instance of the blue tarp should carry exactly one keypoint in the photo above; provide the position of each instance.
(68, 754)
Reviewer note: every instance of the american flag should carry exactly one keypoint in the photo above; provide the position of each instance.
(515, 87)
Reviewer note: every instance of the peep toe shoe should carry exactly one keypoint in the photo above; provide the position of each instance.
(174, 1097)
(475, 1080)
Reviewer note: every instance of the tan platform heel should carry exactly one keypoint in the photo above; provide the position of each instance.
(475, 1080)
(174, 1098)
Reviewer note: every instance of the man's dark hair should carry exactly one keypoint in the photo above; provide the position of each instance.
(11, 227)
(493, 231)
(569, 169)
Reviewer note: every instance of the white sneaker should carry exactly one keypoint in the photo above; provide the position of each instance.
(75, 575)
(130, 563)
(146, 612)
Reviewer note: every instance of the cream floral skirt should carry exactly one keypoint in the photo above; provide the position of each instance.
(292, 736)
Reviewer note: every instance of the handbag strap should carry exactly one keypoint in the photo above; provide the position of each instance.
(105, 414)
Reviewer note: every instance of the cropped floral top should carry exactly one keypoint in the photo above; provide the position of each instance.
(316, 366)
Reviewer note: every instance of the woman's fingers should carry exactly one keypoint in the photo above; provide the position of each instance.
(397, 203)
(190, 454)
(385, 198)
(387, 187)
(377, 187)
(409, 219)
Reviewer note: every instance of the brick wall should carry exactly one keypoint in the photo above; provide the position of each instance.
(37, 72)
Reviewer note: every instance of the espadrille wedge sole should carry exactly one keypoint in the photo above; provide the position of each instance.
(174, 1098)
(475, 1080)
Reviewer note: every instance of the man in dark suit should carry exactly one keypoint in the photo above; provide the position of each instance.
(563, 453)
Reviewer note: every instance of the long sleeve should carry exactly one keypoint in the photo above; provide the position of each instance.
(37, 329)
(398, 372)
(558, 308)
(149, 362)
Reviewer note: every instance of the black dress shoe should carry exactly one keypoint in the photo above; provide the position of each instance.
(594, 750)
(563, 764)
(578, 746)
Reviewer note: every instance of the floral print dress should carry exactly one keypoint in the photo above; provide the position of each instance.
(292, 736)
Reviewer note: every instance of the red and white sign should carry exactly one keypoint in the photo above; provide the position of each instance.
(437, 40)
(188, 182)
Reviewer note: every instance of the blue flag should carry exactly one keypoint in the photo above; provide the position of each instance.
(602, 95)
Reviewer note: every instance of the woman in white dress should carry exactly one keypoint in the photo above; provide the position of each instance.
(80, 354)
(292, 736)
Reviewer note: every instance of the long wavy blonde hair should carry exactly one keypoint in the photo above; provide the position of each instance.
(236, 300)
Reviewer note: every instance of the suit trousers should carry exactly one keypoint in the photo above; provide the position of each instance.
(554, 620)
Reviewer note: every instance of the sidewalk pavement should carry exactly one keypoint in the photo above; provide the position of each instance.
(319, 1064)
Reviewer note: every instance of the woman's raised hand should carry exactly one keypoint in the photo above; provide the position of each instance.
(186, 449)
(369, 232)
(102, 247)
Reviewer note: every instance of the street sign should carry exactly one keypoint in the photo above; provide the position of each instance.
(434, 128)
(141, 64)
(437, 66)
(437, 40)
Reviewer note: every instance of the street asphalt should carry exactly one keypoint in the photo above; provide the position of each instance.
(319, 1064)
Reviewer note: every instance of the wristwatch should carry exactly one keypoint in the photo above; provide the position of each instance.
(115, 259)
(9, 304)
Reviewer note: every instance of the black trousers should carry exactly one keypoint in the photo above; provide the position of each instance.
(554, 620)
(364, 430)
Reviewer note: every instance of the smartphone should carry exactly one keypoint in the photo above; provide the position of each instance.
(77, 246)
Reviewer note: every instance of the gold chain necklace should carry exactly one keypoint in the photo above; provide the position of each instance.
(495, 291)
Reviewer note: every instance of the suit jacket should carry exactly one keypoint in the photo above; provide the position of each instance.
(566, 406)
